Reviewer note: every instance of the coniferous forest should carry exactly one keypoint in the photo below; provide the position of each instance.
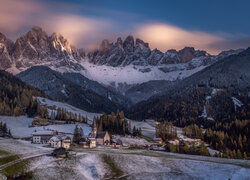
(16, 97)
(115, 124)
(230, 138)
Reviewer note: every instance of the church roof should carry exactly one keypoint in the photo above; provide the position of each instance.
(101, 134)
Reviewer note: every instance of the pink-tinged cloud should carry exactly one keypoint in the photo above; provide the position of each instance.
(18, 16)
(80, 31)
(165, 36)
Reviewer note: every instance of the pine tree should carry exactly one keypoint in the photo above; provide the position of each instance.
(76, 132)
(234, 154)
(4, 128)
(129, 127)
(139, 132)
(81, 132)
(134, 131)
(239, 155)
(245, 156)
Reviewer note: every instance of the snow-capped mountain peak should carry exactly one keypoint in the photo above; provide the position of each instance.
(124, 61)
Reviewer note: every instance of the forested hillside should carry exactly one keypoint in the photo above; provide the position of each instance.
(16, 97)
(218, 93)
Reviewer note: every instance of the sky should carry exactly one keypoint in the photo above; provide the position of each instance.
(213, 25)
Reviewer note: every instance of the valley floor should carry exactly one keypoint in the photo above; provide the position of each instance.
(108, 163)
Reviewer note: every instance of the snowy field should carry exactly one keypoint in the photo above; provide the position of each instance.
(21, 147)
(128, 140)
(104, 163)
(147, 127)
(19, 126)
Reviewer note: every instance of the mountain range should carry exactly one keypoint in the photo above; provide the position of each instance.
(119, 75)
(132, 59)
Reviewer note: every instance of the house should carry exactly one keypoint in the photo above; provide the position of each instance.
(103, 138)
(60, 141)
(88, 143)
(158, 140)
(118, 143)
(42, 137)
(92, 142)
(60, 152)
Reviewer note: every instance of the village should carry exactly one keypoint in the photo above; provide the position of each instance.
(47, 133)
(62, 142)
(92, 152)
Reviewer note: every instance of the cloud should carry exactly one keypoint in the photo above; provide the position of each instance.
(18, 16)
(165, 36)
(80, 31)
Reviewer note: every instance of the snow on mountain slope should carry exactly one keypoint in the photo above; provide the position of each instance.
(128, 61)
(132, 74)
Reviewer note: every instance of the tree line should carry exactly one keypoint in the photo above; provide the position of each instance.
(193, 131)
(184, 148)
(166, 130)
(62, 114)
(115, 124)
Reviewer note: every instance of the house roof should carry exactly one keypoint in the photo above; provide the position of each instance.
(59, 138)
(43, 133)
(119, 142)
(101, 134)
(60, 151)
(157, 139)
(82, 140)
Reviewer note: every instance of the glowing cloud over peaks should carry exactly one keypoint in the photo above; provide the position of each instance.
(164, 37)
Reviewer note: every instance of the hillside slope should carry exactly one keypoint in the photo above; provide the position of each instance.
(58, 87)
(219, 92)
(16, 97)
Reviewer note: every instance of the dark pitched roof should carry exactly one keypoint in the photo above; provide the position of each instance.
(101, 134)
(119, 142)
(60, 151)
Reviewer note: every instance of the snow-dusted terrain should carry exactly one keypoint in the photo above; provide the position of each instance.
(131, 74)
(128, 164)
(147, 127)
(130, 141)
(69, 108)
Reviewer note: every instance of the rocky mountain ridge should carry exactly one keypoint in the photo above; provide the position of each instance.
(131, 57)
(37, 48)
